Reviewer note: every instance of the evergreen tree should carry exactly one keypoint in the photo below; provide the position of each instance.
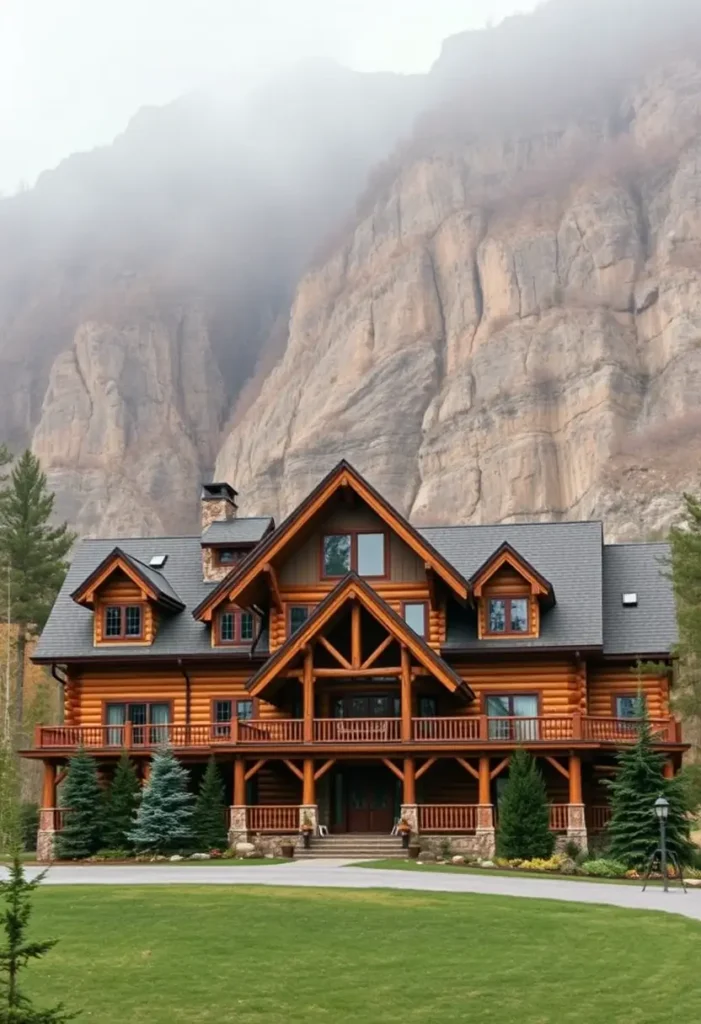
(685, 565)
(210, 811)
(524, 815)
(15, 1007)
(81, 835)
(164, 819)
(634, 830)
(121, 801)
(33, 553)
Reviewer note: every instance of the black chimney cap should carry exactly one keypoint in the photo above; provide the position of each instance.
(215, 492)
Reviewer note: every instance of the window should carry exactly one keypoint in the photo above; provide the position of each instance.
(222, 712)
(508, 615)
(371, 554)
(227, 556)
(299, 613)
(364, 553)
(149, 723)
(628, 705)
(337, 554)
(235, 627)
(122, 621)
(415, 616)
(511, 707)
(427, 707)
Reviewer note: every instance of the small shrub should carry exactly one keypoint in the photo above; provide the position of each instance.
(572, 849)
(108, 854)
(446, 849)
(29, 825)
(553, 863)
(605, 868)
(583, 856)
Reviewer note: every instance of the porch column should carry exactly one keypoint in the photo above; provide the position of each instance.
(239, 782)
(308, 809)
(485, 835)
(308, 695)
(409, 809)
(668, 769)
(46, 833)
(406, 700)
(238, 818)
(576, 822)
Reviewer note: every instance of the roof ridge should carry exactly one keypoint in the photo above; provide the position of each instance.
(496, 526)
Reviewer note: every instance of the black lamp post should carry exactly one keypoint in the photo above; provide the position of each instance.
(662, 810)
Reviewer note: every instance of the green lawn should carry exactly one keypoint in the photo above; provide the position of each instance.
(255, 955)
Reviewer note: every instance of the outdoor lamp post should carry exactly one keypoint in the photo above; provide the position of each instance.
(662, 810)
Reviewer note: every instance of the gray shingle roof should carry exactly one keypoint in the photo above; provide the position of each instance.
(568, 555)
(237, 531)
(650, 627)
(154, 576)
(69, 631)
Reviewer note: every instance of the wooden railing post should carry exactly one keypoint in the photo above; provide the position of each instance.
(128, 736)
(577, 725)
(406, 699)
(484, 727)
(235, 729)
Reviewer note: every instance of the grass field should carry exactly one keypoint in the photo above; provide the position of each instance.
(286, 956)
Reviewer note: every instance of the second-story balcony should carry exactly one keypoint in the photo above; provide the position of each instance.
(266, 733)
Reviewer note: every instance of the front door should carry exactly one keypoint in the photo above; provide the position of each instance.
(370, 800)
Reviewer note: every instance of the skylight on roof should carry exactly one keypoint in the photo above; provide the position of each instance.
(630, 600)
(157, 561)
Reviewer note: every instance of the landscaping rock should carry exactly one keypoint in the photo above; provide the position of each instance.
(200, 856)
(245, 849)
(176, 856)
(568, 866)
(427, 857)
(486, 863)
(458, 859)
(270, 856)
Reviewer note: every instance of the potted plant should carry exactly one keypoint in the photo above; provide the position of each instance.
(306, 828)
(404, 830)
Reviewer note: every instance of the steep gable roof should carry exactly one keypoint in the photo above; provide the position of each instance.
(352, 587)
(153, 583)
(344, 475)
(505, 554)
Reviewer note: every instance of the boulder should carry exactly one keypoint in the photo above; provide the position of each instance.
(458, 859)
(199, 856)
(426, 857)
(245, 849)
(176, 856)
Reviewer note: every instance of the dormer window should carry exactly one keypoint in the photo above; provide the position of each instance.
(228, 556)
(235, 627)
(123, 622)
(508, 615)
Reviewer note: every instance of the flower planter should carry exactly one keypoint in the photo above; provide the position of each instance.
(287, 850)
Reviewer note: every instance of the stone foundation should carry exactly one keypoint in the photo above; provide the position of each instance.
(576, 826)
(481, 844)
(309, 812)
(45, 845)
(410, 814)
(271, 845)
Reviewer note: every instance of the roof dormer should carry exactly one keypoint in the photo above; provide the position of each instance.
(509, 594)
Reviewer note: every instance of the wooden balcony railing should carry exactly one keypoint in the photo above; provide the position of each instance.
(357, 730)
(597, 817)
(272, 819)
(456, 730)
(447, 817)
(559, 817)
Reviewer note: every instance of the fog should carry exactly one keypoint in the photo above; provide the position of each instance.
(72, 73)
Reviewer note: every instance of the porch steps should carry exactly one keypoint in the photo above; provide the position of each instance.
(353, 845)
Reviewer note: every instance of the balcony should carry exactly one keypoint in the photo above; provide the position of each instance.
(435, 733)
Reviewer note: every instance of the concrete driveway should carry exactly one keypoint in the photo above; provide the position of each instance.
(334, 874)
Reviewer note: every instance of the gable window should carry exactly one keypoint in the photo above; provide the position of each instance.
(361, 552)
(298, 615)
(507, 615)
(235, 627)
(227, 556)
(123, 621)
(415, 616)
(511, 708)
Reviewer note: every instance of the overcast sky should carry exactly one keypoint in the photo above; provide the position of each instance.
(72, 72)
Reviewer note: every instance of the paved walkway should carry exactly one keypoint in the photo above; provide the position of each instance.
(333, 874)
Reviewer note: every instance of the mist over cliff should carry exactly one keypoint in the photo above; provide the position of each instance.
(482, 286)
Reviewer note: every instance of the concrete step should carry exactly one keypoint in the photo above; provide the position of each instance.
(349, 846)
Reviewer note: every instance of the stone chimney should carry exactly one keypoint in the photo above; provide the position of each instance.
(218, 504)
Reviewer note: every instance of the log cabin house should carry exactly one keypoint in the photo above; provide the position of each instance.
(351, 669)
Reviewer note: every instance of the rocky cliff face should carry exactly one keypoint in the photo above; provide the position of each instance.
(512, 332)
(505, 323)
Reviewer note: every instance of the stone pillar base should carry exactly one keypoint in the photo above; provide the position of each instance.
(309, 812)
(46, 844)
(577, 826)
(410, 814)
(238, 826)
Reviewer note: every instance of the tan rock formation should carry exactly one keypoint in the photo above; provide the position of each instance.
(513, 332)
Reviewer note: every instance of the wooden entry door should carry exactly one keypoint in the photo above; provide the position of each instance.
(370, 800)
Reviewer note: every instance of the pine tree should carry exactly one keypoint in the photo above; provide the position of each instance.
(33, 553)
(685, 566)
(524, 816)
(121, 801)
(81, 835)
(164, 819)
(15, 1007)
(634, 830)
(209, 824)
